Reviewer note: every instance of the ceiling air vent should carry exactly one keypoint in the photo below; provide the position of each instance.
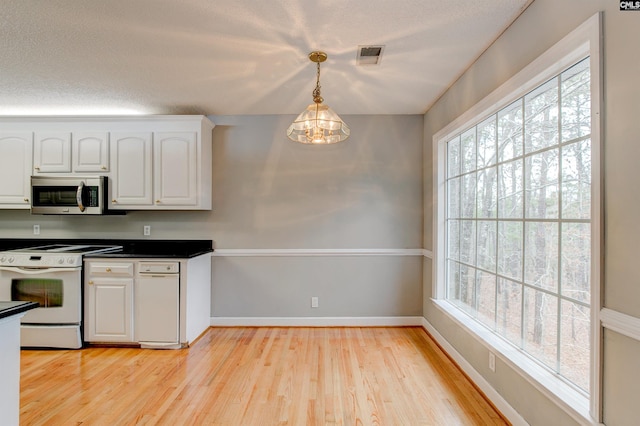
(369, 55)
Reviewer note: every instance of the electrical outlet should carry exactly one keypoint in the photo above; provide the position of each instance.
(146, 230)
(492, 362)
(36, 229)
(314, 302)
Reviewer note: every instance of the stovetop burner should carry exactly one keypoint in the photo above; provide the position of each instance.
(68, 248)
(52, 255)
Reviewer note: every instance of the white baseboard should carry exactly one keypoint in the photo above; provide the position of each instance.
(496, 399)
(315, 321)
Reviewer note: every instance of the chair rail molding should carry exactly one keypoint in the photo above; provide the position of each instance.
(624, 324)
(316, 252)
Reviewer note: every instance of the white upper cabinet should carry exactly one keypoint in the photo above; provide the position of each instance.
(77, 152)
(15, 169)
(166, 169)
(160, 162)
(155, 171)
(90, 151)
(52, 152)
(176, 169)
(131, 183)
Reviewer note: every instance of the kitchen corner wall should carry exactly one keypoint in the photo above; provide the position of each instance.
(272, 194)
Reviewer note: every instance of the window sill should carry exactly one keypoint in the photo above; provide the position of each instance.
(569, 399)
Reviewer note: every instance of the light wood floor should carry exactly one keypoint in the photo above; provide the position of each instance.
(256, 376)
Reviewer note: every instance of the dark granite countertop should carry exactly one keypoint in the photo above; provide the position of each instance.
(182, 249)
(8, 309)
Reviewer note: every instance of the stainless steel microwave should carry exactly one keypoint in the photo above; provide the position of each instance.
(69, 195)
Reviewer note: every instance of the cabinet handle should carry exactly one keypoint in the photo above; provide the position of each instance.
(114, 201)
(104, 167)
(157, 201)
(37, 168)
(26, 200)
(108, 269)
(90, 282)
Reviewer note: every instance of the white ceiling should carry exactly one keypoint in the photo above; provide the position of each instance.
(224, 57)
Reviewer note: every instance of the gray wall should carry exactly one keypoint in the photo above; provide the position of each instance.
(544, 23)
(271, 193)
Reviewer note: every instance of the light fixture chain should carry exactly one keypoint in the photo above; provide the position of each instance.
(316, 92)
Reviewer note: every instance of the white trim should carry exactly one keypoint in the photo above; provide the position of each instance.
(438, 288)
(547, 383)
(316, 252)
(593, 30)
(315, 321)
(501, 404)
(624, 324)
(427, 253)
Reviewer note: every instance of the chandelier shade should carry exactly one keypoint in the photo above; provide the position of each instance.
(318, 124)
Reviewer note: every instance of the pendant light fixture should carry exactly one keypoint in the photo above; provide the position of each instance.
(318, 124)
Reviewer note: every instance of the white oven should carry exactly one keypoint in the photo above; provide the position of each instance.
(52, 277)
(56, 322)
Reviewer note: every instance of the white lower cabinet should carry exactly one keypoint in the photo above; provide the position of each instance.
(157, 304)
(108, 308)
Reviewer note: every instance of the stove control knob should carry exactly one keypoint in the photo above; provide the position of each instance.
(3, 259)
(61, 261)
(70, 260)
(11, 259)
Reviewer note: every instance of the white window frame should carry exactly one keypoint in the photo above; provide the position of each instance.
(586, 40)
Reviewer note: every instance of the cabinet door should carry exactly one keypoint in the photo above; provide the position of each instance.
(108, 311)
(90, 152)
(52, 153)
(15, 169)
(156, 308)
(176, 169)
(131, 170)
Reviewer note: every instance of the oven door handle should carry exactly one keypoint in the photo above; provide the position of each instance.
(36, 271)
(79, 196)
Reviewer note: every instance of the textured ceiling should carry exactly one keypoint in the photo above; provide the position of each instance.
(219, 57)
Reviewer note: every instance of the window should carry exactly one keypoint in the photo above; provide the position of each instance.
(518, 221)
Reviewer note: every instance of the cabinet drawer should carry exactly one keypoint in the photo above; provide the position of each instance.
(158, 267)
(111, 269)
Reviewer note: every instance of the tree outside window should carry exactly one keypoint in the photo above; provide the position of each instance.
(518, 223)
